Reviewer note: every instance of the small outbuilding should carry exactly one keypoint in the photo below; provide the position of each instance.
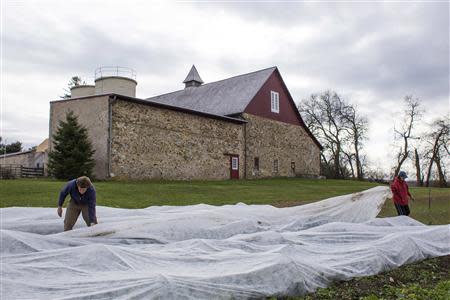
(25, 163)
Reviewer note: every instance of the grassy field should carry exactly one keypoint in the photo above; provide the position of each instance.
(429, 279)
(139, 194)
(277, 192)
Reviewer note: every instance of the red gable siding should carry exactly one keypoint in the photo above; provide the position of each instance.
(260, 104)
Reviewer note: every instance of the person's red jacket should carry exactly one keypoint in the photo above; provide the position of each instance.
(400, 191)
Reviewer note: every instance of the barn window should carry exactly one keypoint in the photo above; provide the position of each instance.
(275, 166)
(275, 102)
(293, 166)
(256, 167)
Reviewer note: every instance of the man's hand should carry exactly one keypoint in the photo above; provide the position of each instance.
(59, 211)
(412, 198)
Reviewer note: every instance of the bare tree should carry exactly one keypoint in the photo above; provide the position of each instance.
(357, 127)
(419, 176)
(438, 150)
(412, 114)
(340, 130)
(348, 160)
(377, 175)
(322, 114)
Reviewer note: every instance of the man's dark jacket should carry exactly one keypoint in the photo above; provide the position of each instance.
(88, 198)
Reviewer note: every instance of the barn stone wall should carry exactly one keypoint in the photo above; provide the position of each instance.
(93, 114)
(148, 142)
(271, 140)
(155, 143)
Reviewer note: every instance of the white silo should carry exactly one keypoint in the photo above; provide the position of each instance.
(118, 80)
(82, 90)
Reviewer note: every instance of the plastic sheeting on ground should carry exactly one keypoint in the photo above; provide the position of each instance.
(208, 252)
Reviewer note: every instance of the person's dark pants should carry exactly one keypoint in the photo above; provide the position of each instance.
(73, 212)
(402, 210)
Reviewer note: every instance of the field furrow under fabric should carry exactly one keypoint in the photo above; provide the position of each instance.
(204, 251)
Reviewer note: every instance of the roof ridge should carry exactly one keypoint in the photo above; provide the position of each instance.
(273, 67)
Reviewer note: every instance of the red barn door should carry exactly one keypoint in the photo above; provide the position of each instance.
(234, 167)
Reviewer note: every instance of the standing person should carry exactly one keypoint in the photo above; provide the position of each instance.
(401, 195)
(83, 199)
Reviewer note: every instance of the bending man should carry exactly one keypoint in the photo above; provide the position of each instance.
(83, 199)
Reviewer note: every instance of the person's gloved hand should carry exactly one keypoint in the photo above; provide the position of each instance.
(59, 211)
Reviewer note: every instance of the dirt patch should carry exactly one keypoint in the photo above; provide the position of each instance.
(282, 204)
(103, 233)
(356, 196)
(422, 276)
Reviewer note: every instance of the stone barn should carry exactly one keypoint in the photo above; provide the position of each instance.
(246, 126)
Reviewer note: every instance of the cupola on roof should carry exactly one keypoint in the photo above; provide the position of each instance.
(193, 78)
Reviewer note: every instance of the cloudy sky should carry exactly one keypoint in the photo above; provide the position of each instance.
(372, 53)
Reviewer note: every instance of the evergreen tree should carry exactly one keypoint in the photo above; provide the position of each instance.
(10, 148)
(72, 152)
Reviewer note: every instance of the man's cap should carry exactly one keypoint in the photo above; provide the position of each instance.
(402, 174)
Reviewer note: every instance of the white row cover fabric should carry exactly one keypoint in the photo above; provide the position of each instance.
(208, 252)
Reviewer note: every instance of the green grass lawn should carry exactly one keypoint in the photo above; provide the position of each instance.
(278, 192)
(139, 194)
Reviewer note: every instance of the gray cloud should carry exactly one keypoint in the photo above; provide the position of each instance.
(94, 48)
(406, 49)
(272, 13)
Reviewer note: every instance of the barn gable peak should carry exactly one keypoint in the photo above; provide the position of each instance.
(193, 78)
